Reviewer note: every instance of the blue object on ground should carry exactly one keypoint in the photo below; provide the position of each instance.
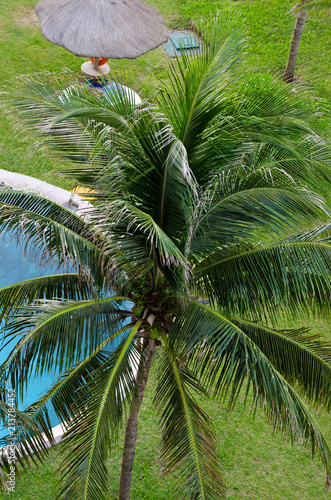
(179, 42)
(184, 42)
(107, 87)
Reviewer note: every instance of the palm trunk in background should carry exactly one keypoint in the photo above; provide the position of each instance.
(294, 48)
(131, 429)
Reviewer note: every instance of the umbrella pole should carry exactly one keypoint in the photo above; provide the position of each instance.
(96, 63)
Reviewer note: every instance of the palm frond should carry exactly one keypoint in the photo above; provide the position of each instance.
(38, 438)
(147, 164)
(198, 83)
(167, 251)
(314, 234)
(68, 286)
(34, 436)
(139, 243)
(266, 117)
(262, 281)
(187, 439)
(54, 231)
(227, 358)
(319, 7)
(57, 333)
(88, 436)
(249, 203)
(179, 191)
(42, 100)
(307, 159)
(300, 357)
(149, 169)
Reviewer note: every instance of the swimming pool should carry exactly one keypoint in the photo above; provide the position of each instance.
(15, 267)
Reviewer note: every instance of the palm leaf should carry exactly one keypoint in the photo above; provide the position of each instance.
(238, 207)
(139, 244)
(227, 358)
(88, 436)
(198, 84)
(310, 235)
(322, 7)
(150, 164)
(33, 437)
(301, 358)
(38, 438)
(292, 276)
(53, 230)
(57, 333)
(68, 286)
(187, 439)
(40, 102)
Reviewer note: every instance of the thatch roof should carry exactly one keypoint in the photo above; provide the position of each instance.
(113, 29)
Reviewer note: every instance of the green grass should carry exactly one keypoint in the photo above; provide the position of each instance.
(269, 31)
(257, 464)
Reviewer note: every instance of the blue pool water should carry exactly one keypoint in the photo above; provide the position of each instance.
(14, 267)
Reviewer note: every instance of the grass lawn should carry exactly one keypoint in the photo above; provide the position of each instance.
(257, 464)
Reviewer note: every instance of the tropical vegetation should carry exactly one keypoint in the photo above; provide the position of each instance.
(205, 229)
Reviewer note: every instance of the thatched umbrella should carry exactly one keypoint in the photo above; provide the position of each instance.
(115, 29)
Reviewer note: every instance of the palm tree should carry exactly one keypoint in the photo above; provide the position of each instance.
(204, 232)
(302, 7)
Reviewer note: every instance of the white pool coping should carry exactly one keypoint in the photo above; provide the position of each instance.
(54, 193)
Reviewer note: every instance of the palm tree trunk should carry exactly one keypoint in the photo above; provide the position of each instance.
(294, 47)
(131, 429)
